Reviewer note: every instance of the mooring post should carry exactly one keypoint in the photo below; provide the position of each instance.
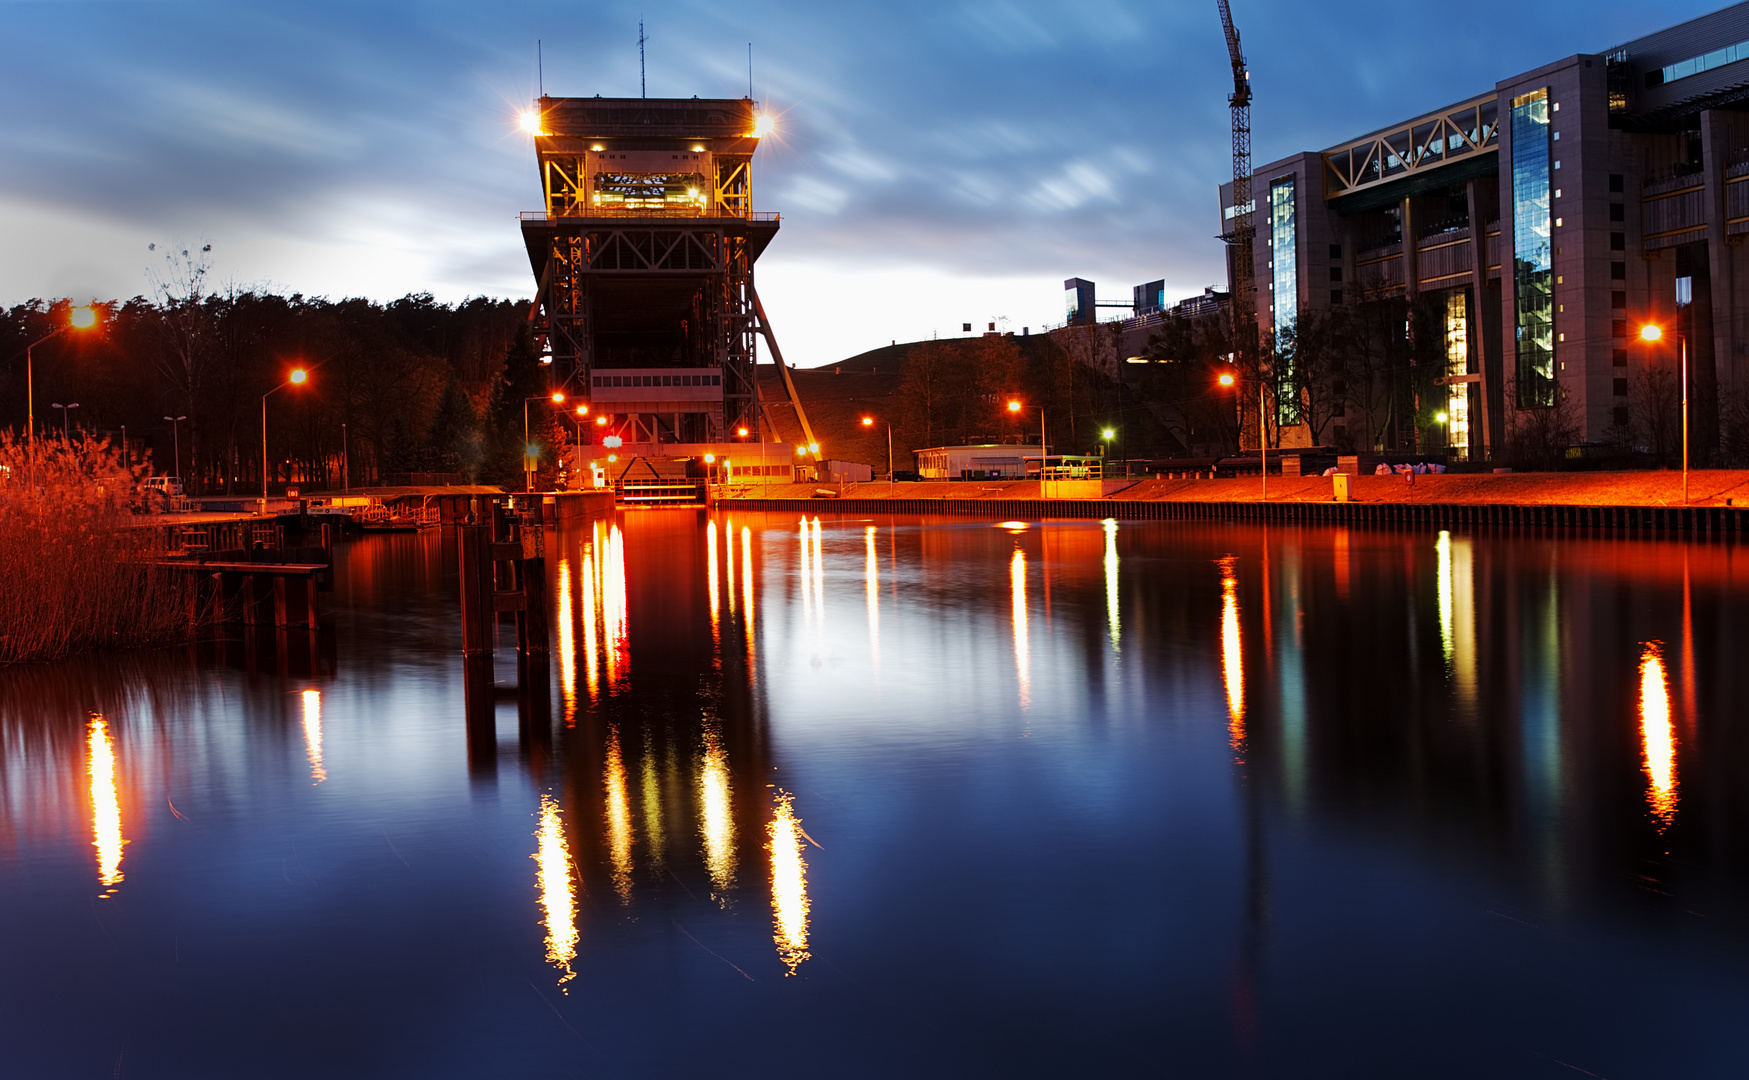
(480, 709)
(532, 619)
(478, 616)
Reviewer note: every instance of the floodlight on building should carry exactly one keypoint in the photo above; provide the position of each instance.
(531, 122)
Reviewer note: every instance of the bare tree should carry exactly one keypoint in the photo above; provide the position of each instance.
(1538, 438)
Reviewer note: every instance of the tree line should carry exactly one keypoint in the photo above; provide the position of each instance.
(411, 385)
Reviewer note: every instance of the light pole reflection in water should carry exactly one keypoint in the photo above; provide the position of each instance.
(590, 660)
(556, 884)
(1457, 614)
(871, 584)
(1232, 658)
(1111, 614)
(1017, 604)
(313, 735)
(619, 817)
(106, 835)
(1657, 735)
(789, 884)
(567, 645)
(747, 588)
(716, 821)
(710, 573)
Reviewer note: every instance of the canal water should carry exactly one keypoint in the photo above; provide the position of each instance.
(845, 796)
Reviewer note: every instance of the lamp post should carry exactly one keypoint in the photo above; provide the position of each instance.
(66, 436)
(345, 463)
(176, 439)
(1014, 407)
(80, 318)
(297, 378)
(1652, 332)
(868, 421)
(1227, 378)
(557, 397)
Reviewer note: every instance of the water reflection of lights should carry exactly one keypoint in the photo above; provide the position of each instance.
(590, 660)
(567, 644)
(1012, 526)
(729, 552)
(710, 573)
(556, 882)
(105, 805)
(789, 885)
(1457, 613)
(313, 735)
(1110, 526)
(819, 578)
(1232, 659)
(613, 607)
(747, 583)
(1445, 634)
(1657, 734)
(716, 815)
(871, 583)
(619, 818)
(651, 783)
(1017, 598)
(807, 579)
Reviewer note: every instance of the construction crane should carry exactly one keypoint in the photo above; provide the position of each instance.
(1243, 235)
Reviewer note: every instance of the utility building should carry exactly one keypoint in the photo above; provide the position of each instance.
(1536, 226)
(643, 254)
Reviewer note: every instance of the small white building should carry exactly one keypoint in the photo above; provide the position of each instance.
(985, 461)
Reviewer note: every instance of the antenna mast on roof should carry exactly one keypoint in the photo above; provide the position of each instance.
(643, 90)
(540, 69)
(749, 71)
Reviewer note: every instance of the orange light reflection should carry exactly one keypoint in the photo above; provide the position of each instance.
(619, 818)
(555, 881)
(1017, 598)
(789, 885)
(1232, 659)
(105, 805)
(313, 735)
(716, 824)
(567, 644)
(1657, 735)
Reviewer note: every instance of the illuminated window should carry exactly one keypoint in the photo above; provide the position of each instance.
(1532, 264)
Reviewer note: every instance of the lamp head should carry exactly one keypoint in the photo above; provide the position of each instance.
(299, 376)
(868, 421)
(1226, 378)
(582, 410)
(1014, 406)
(558, 397)
(741, 433)
(83, 317)
(1651, 332)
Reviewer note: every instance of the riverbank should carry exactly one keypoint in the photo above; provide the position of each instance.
(1711, 487)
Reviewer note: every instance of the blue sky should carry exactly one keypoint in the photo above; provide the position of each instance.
(937, 163)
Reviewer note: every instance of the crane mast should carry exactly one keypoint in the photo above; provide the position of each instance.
(1242, 239)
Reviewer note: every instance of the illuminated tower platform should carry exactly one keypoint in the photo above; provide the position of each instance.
(644, 256)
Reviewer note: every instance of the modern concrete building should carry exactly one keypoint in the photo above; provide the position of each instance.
(1538, 224)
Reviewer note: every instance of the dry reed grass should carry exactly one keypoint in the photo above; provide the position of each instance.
(73, 576)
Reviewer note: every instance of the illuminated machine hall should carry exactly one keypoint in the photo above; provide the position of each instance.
(644, 254)
(1544, 220)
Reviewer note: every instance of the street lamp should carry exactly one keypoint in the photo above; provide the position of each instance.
(868, 422)
(1014, 407)
(1652, 333)
(1227, 378)
(297, 377)
(66, 410)
(557, 397)
(176, 439)
(80, 318)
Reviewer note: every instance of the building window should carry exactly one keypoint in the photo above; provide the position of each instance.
(1618, 328)
(1619, 358)
(1336, 251)
(1336, 296)
(1283, 236)
(1457, 362)
(1621, 416)
(1618, 241)
(1532, 262)
(1618, 300)
(1336, 273)
(1618, 271)
(1617, 212)
(1694, 65)
(1617, 182)
(1621, 388)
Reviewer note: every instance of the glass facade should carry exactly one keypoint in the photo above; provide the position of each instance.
(1532, 254)
(1457, 362)
(1284, 264)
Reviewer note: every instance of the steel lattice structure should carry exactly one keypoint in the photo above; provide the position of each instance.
(643, 253)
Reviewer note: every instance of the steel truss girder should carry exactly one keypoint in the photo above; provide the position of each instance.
(1422, 144)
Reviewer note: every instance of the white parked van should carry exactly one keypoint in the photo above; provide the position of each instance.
(165, 485)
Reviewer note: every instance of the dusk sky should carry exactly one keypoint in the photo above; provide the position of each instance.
(936, 163)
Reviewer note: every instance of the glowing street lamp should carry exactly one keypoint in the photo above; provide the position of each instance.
(740, 433)
(1652, 333)
(1229, 379)
(297, 377)
(83, 317)
(557, 397)
(868, 422)
(176, 438)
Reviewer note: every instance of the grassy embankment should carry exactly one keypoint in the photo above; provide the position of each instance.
(73, 577)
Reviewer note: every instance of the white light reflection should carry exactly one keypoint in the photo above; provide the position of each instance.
(106, 834)
(1017, 599)
(313, 735)
(555, 881)
(591, 663)
(1457, 610)
(613, 608)
(807, 578)
(716, 824)
(789, 885)
(747, 585)
(1110, 526)
(710, 570)
(819, 579)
